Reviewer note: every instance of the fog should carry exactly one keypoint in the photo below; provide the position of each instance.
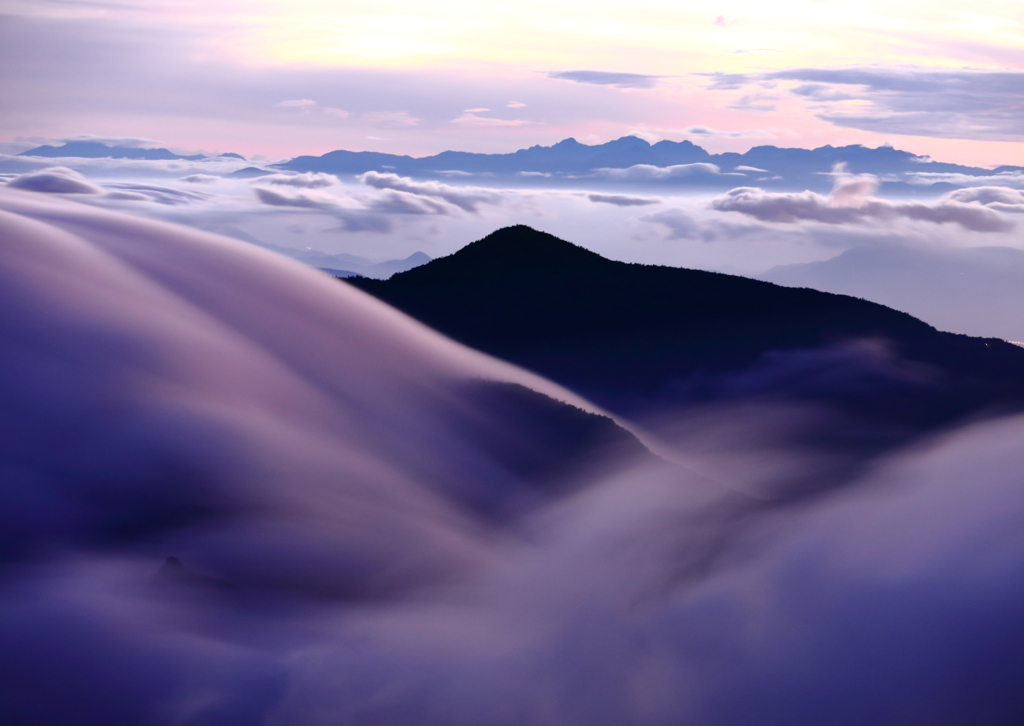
(357, 540)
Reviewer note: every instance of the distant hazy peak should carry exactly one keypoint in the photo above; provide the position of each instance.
(97, 150)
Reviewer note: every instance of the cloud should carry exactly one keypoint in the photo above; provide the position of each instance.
(352, 219)
(603, 78)
(819, 92)
(302, 200)
(123, 196)
(621, 200)
(337, 112)
(307, 180)
(680, 224)
(300, 103)
(400, 202)
(943, 103)
(400, 196)
(389, 119)
(131, 191)
(727, 81)
(716, 133)
(200, 179)
(516, 104)
(651, 172)
(755, 103)
(850, 203)
(55, 180)
(1003, 199)
(1002, 179)
(750, 168)
(309, 454)
(126, 168)
(466, 198)
(469, 118)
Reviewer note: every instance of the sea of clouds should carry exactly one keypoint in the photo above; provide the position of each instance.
(312, 459)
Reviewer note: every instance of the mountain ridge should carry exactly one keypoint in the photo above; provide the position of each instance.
(637, 338)
(565, 161)
(99, 150)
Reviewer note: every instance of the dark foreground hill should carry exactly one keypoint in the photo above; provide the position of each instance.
(640, 338)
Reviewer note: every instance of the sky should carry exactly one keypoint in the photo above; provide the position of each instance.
(280, 79)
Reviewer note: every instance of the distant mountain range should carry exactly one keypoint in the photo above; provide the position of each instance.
(638, 338)
(628, 161)
(974, 290)
(98, 150)
(633, 160)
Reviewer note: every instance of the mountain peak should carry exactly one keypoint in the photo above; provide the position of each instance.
(98, 150)
(517, 251)
(628, 142)
(523, 245)
(636, 338)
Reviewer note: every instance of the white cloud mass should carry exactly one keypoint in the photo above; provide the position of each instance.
(55, 180)
(623, 200)
(850, 203)
(639, 172)
(466, 198)
(605, 78)
(307, 180)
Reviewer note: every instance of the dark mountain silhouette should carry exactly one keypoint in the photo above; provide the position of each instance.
(640, 338)
(565, 161)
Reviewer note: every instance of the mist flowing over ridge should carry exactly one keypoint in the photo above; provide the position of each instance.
(237, 491)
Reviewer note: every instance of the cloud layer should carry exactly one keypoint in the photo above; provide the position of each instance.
(850, 203)
(606, 78)
(55, 180)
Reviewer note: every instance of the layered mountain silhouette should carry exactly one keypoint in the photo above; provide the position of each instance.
(640, 338)
(625, 161)
(768, 166)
